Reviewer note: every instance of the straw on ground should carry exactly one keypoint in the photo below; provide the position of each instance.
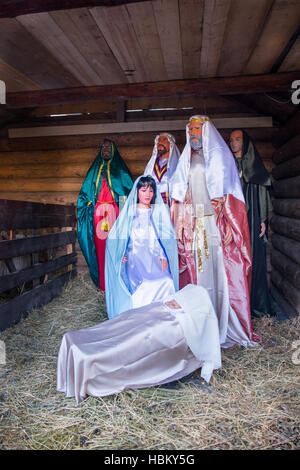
(252, 403)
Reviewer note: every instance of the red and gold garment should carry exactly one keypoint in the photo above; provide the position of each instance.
(159, 172)
(106, 213)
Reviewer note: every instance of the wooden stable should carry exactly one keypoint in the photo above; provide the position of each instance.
(57, 248)
(76, 72)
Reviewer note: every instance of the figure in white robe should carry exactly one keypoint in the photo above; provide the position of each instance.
(163, 163)
(141, 251)
(210, 217)
(147, 280)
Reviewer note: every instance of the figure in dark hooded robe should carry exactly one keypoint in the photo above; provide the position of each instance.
(256, 186)
(106, 186)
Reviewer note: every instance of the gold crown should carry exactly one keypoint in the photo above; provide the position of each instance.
(200, 119)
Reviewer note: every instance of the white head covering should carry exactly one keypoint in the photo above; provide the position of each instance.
(220, 168)
(172, 160)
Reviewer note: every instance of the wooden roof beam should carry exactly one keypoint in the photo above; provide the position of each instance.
(139, 126)
(195, 87)
(13, 8)
(280, 59)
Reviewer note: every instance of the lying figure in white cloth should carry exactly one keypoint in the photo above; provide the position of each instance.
(143, 347)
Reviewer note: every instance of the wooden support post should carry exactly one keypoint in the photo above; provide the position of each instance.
(35, 259)
(121, 111)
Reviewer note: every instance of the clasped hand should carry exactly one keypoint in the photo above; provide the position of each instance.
(163, 261)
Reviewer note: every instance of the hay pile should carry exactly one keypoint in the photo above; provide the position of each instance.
(251, 403)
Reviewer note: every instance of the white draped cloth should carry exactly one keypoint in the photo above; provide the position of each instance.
(145, 278)
(142, 347)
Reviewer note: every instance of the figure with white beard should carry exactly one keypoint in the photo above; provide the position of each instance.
(210, 219)
(163, 163)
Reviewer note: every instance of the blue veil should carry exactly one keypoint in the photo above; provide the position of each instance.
(118, 296)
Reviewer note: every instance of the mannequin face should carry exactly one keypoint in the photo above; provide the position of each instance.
(195, 134)
(145, 195)
(163, 147)
(236, 143)
(106, 150)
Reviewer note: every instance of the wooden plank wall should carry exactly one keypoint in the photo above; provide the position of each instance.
(285, 223)
(52, 170)
(31, 284)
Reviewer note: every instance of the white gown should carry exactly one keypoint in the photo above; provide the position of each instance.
(146, 280)
(212, 276)
(148, 346)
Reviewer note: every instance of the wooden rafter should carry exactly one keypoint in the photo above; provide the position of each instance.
(280, 59)
(199, 87)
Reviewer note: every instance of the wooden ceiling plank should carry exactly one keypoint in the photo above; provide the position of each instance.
(81, 29)
(292, 60)
(144, 24)
(15, 80)
(20, 50)
(245, 23)
(13, 8)
(199, 87)
(281, 23)
(115, 25)
(47, 32)
(214, 25)
(191, 19)
(168, 25)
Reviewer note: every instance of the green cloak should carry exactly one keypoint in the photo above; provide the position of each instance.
(256, 186)
(119, 180)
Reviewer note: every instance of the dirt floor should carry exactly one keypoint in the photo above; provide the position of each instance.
(251, 403)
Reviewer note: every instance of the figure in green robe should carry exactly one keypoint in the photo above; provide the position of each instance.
(256, 186)
(105, 188)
